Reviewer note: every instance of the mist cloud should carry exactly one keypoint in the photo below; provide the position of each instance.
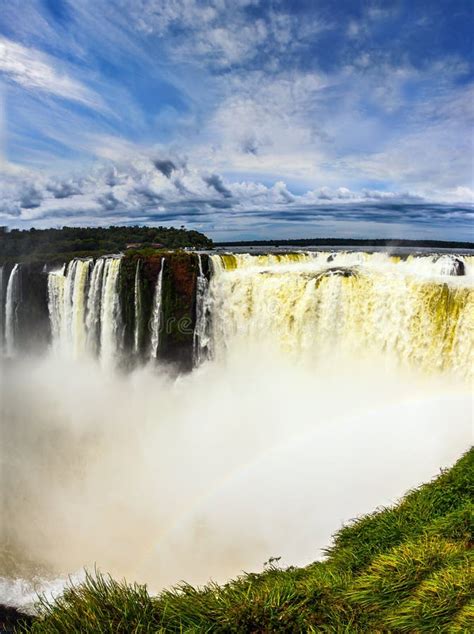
(159, 481)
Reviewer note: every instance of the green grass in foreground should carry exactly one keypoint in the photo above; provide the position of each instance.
(401, 569)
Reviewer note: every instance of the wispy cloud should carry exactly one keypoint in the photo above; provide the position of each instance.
(33, 70)
(235, 113)
(225, 33)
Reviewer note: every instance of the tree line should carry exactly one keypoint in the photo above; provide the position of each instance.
(67, 242)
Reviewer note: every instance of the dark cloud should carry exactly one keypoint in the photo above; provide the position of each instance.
(64, 189)
(250, 146)
(183, 190)
(220, 204)
(149, 196)
(215, 181)
(166, 167)
(112, 177)
(287, 196)
(31, 198)
(323, 195)
(108, 201)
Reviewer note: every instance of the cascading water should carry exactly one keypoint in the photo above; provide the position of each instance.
(11, 305)
(155, 323)
(2, 316)
(67, 293)
(78, 316)
(93, 306)
(110, 313)
(138, 309)
(56, 283)
(418, 311)
(320, 304)
(84, 308)
(201, 329)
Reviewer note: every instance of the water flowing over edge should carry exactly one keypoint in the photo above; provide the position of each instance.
(11, 301)
(156, 315)
(416, 310)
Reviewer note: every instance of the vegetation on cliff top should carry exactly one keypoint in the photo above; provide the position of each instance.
(401, 569)
(51, 245)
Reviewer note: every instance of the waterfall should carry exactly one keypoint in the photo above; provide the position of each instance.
(84, 308)
(416, 311)
(93, 307)
(56, 283)
(67, 293)
(2, 316)
(201, 329)
(11, 305)
(110, 312)
(317, 305)
(450, 265)
(155, 323)
(79, 303)
(138, 310)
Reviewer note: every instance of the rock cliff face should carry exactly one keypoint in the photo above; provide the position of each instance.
(179, 309)
(29, 320)
(138, 277)
(138, 285)
(156, 292)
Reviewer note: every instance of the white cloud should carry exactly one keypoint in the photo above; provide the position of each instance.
(33, 70)
(267, 127)
(252, 112)
(220, 32)
(160, 188)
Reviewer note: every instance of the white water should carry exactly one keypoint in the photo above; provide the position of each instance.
(359, 305)
(67, 291)
(138, 309)
(93, 306)
(411, 312)
(2, 316)
(157, 313)
(11, 301)
(327, 396)
(160, 480)
(201, 329)
(84, 309)
(110, 313)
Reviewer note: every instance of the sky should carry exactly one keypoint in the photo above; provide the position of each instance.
(239, 118)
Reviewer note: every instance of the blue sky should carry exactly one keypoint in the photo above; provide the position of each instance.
(240, 118)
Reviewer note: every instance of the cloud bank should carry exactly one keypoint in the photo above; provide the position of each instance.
(241, 118)
(169, 190)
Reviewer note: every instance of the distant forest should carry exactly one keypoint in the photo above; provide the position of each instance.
(60, 245)
(349, 242)
(50, 245)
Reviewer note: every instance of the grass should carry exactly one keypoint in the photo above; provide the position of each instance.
(402, 569)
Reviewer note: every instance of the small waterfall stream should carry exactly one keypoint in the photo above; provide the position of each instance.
(2, 316)
(201, 329)
(138, 310)
(11, 305)
(155, 323)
